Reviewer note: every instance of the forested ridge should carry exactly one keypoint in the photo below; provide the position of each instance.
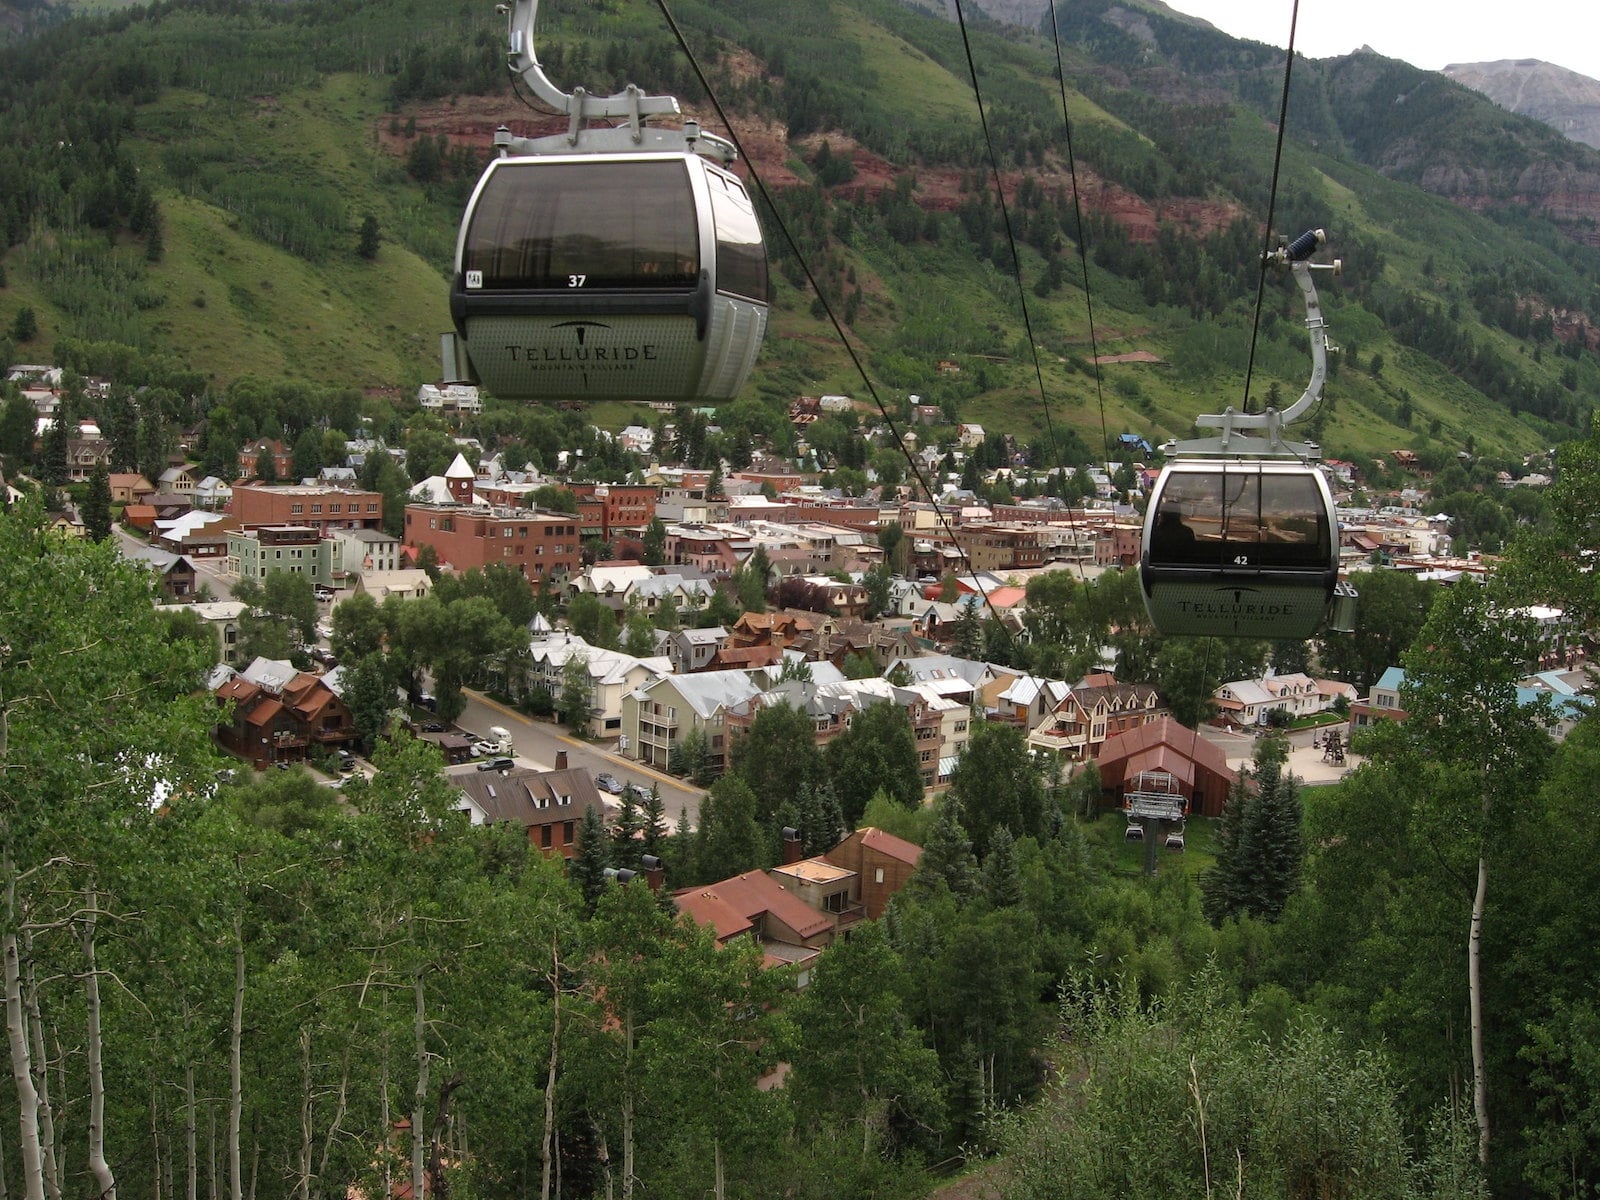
(248, 191)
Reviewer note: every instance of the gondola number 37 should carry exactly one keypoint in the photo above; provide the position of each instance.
(577, 280)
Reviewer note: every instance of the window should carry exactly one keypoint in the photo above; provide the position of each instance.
(333, 508)
(372, 506)
(877, 875)
(316, 508)
(546, 835)
(297, 508)
(566, 833)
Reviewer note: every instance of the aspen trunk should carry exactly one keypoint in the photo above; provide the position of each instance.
(545, 1144)
(627, 1109)
(155, 1148)
(192, 1167)
(236, 1064)
(718, 1184)
(30, 1151)
(105, 1181)
(48, 1144)
(1480, 1077)
(302, 1186)
(420, 1097)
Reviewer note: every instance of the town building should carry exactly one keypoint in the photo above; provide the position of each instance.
(310, 505)
(541, 546)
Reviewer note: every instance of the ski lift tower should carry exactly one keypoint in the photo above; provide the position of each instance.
(1153, 804)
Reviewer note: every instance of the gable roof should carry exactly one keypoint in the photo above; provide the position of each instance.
(1122, 750)
(753, 894)
(874, 838)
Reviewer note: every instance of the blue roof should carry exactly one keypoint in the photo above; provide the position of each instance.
(1391, 680)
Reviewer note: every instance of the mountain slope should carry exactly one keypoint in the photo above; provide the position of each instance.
(264, 136)
(1564, 100)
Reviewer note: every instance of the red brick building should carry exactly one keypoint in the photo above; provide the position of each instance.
(317, 507)
(609, 507)
(538, 544)
(282, 458)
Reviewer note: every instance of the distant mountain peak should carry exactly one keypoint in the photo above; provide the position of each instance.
(1564, 100)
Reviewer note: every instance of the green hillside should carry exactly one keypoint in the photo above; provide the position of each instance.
(252, 143)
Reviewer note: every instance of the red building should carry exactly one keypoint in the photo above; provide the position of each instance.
(610, 507)
(538, 544)
(314, 506)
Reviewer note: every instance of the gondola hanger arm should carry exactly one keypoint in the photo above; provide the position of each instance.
(629, 103)
(1231, 440)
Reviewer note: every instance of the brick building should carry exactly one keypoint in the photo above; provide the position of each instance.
(610, 507)
(314, 506)
(538, 544)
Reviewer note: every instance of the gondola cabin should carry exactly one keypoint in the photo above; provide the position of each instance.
(1239, 548)
(610, 277)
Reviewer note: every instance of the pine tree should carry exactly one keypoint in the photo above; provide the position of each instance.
(969, 633)
(625, 840)
(653, 822)
(97, 505)
(370, 239)
(1002, 874)
(947, 856)
(1259, 847)
(53, 451)
(587, 868)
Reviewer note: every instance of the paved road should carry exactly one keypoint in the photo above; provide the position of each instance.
(538, 742)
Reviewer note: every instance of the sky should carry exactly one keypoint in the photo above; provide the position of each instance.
(1423, 33)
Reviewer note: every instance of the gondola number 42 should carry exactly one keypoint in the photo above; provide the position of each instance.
(577, 280)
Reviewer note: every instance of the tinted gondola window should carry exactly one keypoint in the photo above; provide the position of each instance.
(1241, 518)
(573, 226)
(741, 258)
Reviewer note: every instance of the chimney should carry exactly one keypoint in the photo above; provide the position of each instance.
(561, 760)
(793, 847)
(654, 873)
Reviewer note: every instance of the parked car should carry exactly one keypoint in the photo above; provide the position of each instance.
(607, 782)
(433, 727)
(347, 761)
(637, 793)
(485, 749)
(496, 764)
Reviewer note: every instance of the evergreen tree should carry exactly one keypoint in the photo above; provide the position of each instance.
(1259, 847)
(653, 823)
(655, 543)
(97, 505)
(16, 427)
(968, 641)
(369, 239)
(587, 868)
(24, 326)
(53, 451)
(626, 841)
(947, 856)
(1002, 876)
